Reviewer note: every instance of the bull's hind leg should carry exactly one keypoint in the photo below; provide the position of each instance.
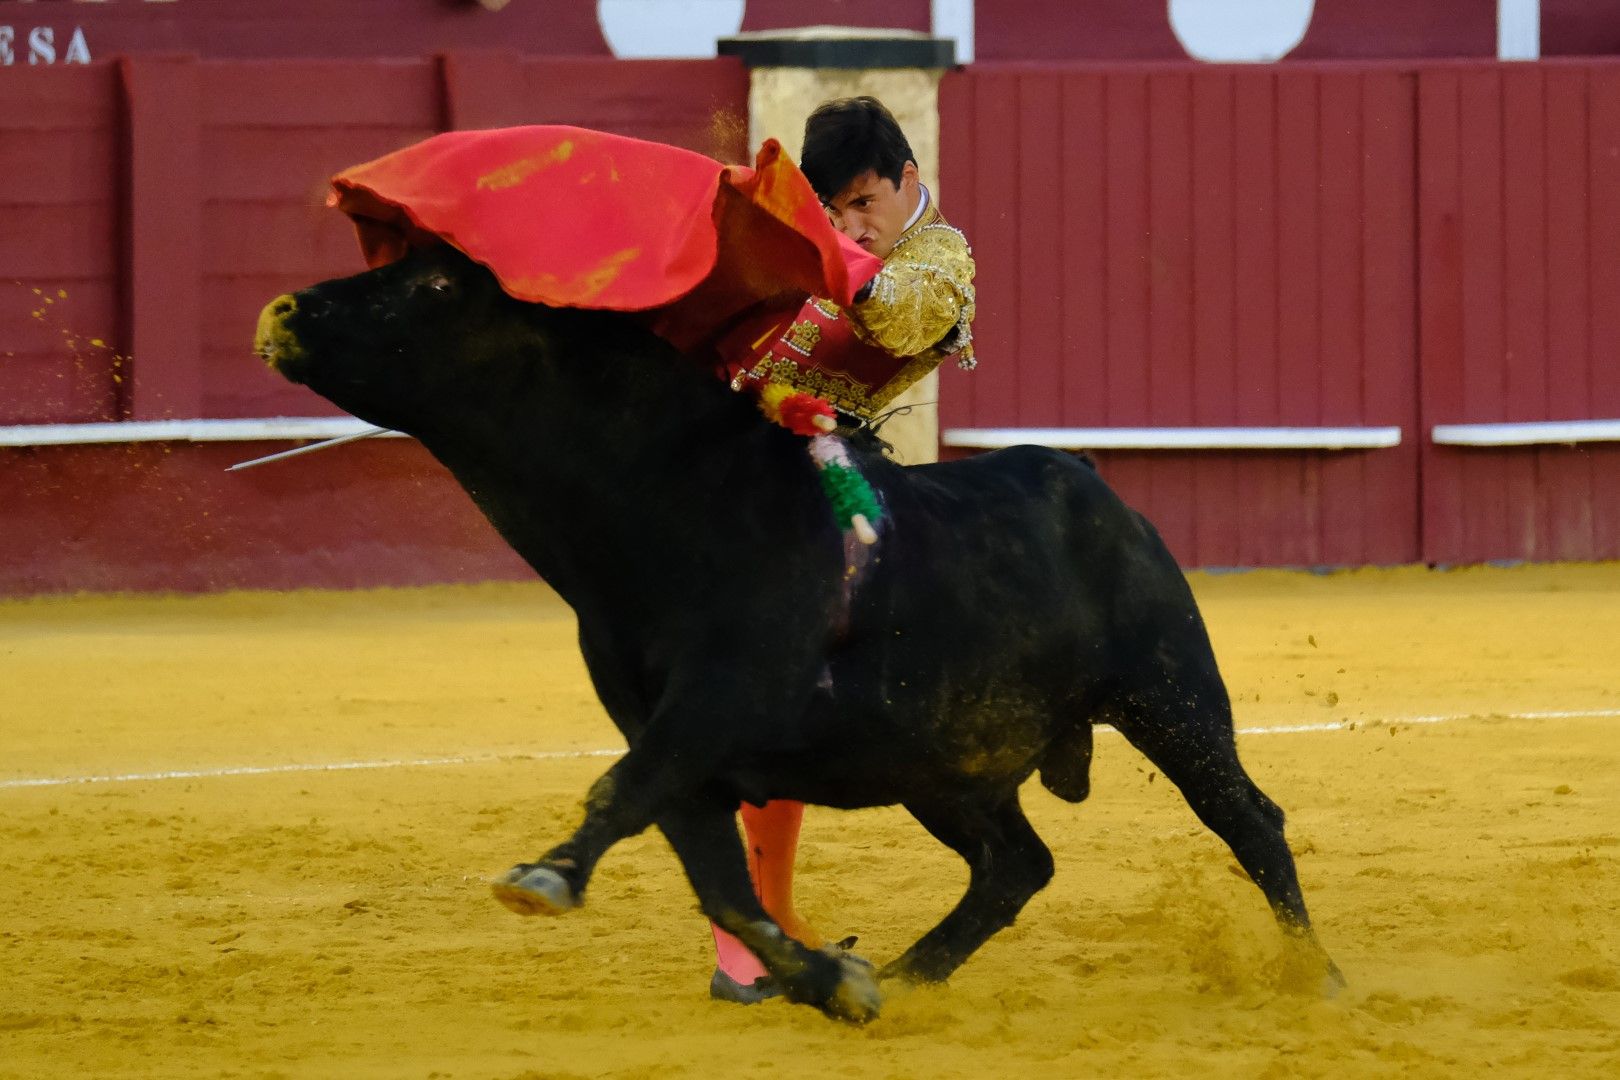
(1184, 726)
(1007, 864)
(704, 836)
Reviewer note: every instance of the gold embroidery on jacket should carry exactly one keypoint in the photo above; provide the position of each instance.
(921, 308)
(922, 302)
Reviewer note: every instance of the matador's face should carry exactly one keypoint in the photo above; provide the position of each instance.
(873, 210)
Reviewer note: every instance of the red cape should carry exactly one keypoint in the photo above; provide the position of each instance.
(576, 218)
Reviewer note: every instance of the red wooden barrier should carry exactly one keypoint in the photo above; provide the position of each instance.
(269, 134)
(162, 516)
(1113, 30)
(1185, 247)
(1520, 268)
(1159, 246)
(60, 302)
(149, 211)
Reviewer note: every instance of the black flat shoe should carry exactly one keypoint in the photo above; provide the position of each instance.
(723, 987)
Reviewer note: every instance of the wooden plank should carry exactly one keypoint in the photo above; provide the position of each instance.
(252, 237)
(235, 386)
(1484, 289)
(1129, 272)
(57, 167)
(1484, 294)
(1173, 484)
(163, 238)
(1299, 223)
(958, 195)
(402, 93)
(1214, 299)
(1524, 310)
(1379, 28)
(1340, 372)
(70, 242)
(1524, 243)
(1603, 371)
(1168, 359)
(1568, 283)
(1040, 301)
(61, 307)
(996, 251)
(1389, 371)
(1306, 536)
(698, 104)
(1604, 462)
(1566, 482)
(1563, 502)
(478, 88)
(37, 100)
(61, 317)
(299, 242)
(230, 311)
(1255, 248)
(1214, 271)
(1255, 531)
(1170, 184)
(52, 389)
(1340, 257)
(1440, 253)
(290, 164)
(1083, 250)
(1256, 318)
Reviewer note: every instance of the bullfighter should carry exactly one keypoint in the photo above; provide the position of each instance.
(915, 314)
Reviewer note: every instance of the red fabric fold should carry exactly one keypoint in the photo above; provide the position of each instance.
(571, 217)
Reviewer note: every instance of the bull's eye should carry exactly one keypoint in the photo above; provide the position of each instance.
(440, 283)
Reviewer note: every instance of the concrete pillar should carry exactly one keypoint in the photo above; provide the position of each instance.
(793, 71)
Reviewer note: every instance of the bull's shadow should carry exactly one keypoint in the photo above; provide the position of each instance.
(1011, 603)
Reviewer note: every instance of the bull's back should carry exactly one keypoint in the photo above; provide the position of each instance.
(1023, 503)
(1008, 570)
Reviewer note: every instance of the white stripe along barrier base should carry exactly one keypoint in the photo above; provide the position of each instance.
(557, 755)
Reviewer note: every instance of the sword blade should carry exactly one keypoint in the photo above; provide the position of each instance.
(310, 449)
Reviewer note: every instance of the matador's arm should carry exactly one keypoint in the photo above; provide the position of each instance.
(922, 300)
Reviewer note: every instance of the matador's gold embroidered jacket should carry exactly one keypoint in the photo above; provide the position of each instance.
(922, 302)
(919, 312)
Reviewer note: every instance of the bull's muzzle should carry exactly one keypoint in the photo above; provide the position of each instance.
(274, 343)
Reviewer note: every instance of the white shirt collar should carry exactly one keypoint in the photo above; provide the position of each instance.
(922, 205)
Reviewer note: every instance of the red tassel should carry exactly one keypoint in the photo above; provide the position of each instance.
(799, 412)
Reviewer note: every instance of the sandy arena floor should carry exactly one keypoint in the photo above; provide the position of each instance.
(180, 899)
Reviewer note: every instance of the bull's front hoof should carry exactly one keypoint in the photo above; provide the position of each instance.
(535, 890)
(857, 998)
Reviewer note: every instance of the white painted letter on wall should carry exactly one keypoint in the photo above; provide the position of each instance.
(78, 50)
(1240, 31)
(646, 29)
(42, 45)
(1518, 29)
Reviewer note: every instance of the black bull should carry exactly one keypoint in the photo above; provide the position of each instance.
(1012, 603)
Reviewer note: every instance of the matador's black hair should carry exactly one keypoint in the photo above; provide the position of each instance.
(846, 137)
